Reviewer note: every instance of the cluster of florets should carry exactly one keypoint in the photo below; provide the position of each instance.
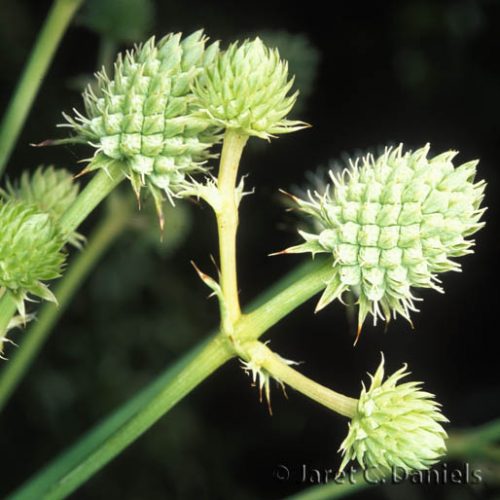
(31, 249)
(167, 102)
(396, 425)
(392, 224)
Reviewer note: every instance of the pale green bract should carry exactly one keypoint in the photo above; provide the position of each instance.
(30, 252)
(396, 425)
(145, 115)
(391, 224)
(246, 89)
(51, 189)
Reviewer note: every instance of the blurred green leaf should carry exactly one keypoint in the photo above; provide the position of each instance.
(119, 20)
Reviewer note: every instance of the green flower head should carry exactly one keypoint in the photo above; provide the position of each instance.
(50, 189)
(246, 89)
(392, 224)
(395, 425)
(30, 250)
(145, 115)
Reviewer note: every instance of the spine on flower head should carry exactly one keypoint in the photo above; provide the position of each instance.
(392, 224)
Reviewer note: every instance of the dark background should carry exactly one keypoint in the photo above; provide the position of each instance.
(413, 72)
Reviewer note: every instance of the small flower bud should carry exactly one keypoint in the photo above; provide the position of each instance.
(395, 425)
(391, 224)
(30, 249)
(245, 89)
(50, 189)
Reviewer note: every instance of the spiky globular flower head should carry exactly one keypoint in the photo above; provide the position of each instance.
(30, 251)
(395, 425)
(391, 224)
(246, 89)
(145, 115)
(50, 189)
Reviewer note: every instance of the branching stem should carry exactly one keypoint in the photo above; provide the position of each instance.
(123, 427)
(264, 359)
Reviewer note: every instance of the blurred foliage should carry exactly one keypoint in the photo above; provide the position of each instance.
(16, 25)
(123, 21)
(418, 25)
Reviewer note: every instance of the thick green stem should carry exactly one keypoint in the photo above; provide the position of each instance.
(64, 475)
(474, 442)
(57, 21)
(342, 488)
(123, 427)
(313, 279)
(227, 221)
(103, 182)
(262, 357)
(8, 308)
(103, 235)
